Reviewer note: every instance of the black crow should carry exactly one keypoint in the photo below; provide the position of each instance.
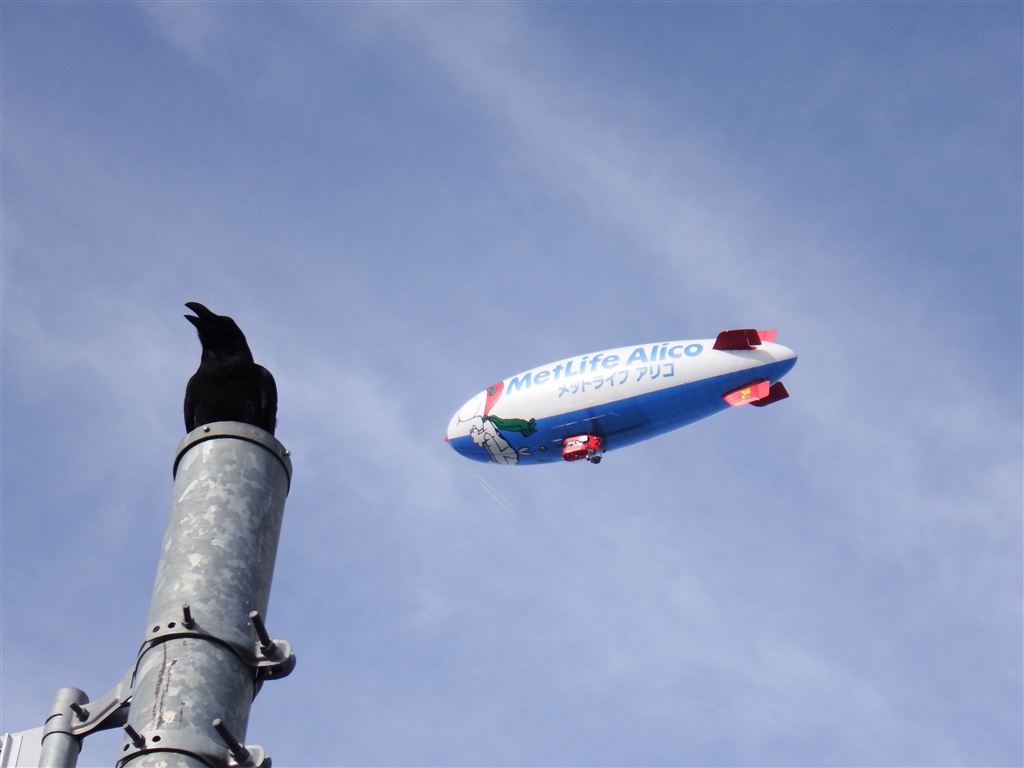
(228, 386)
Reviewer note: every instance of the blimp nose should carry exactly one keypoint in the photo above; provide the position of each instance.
(783, 353)
(459, 435)
(455, 430)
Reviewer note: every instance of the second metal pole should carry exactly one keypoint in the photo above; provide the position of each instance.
(60, 746)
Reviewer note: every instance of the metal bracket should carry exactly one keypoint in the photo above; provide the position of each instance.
(209, 751)
(271, 657)
(270, 663)
(258, 757)
(275, 664)
(108, 711)
(276, 659)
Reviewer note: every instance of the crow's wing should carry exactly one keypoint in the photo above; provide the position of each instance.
(268, 399)
(190, 406)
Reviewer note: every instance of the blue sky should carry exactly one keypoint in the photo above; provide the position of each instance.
(401, 203)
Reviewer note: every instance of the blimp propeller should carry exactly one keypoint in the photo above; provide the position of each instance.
(582, 407)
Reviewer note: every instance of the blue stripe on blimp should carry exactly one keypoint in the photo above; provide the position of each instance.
(631, 420)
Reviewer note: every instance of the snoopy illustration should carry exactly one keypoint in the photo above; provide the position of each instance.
(485, 429)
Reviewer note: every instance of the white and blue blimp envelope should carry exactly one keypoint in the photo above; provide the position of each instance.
(584, 406)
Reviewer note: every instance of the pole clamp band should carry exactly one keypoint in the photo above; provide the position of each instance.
(211, 752)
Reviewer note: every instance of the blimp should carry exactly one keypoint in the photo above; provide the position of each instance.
(582, 407)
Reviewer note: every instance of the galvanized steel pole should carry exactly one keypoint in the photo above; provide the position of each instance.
(206, 651)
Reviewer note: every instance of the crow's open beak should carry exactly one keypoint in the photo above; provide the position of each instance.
(200, 310)
(205, 317)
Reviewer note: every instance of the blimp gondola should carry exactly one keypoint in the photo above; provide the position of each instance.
(582, 407)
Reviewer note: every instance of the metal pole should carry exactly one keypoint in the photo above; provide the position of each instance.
(60, 747)
(206, 652)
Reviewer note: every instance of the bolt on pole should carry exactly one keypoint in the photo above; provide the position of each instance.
(206, 650)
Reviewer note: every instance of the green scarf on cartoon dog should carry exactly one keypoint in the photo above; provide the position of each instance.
(525, 428)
